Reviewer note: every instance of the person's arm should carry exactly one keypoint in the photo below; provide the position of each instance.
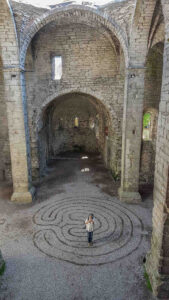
(86, 222)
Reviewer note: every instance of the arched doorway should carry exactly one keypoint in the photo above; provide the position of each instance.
(74, 122)
(152, 94)
(92, 64)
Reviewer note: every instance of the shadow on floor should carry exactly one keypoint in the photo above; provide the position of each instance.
(71, 167)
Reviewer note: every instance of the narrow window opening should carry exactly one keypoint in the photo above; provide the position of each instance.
(57, 67)
(76, 122)
(147, 127)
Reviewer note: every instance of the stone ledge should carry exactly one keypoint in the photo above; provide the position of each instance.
(24, 197)
(129, 197)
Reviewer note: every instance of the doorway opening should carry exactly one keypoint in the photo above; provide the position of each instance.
(74, 123)
(152, 94)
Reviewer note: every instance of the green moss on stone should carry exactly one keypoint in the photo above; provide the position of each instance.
(148, 283)
(2, 269)
(115, 175)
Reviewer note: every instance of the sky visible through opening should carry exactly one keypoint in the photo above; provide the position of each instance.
(47, 3)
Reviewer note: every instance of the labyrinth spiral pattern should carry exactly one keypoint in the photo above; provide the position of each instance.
(62, 233)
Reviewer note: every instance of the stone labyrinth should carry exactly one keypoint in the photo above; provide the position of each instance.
(62, 234)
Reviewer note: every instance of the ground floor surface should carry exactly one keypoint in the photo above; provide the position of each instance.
(45, 245)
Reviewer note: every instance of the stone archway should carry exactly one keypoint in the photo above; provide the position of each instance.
(98, 71)
(148, 150)
(152, 95)
(57, 131)
(76, 14)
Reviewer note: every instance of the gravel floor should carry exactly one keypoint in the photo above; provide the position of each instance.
(44, 243)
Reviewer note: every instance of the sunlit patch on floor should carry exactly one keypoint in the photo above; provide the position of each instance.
(85, 170)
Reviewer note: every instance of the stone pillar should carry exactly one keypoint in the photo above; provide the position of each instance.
(18, 134)
(132, 134)
(157, 264)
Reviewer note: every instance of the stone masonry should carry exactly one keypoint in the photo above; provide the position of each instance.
(104, 81)
(115, 68)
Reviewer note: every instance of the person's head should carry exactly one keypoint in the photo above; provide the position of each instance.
(91, 216)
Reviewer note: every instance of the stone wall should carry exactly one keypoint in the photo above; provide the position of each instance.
(59, 133)
(122, 13)
(24, 15)
(152, 95)
(63, 135)
(157, 264)
(90, 66)
(147, 163)
(153, 77)
(5, 161)
(93, 64)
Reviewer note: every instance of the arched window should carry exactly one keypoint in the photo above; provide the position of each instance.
(147, 126)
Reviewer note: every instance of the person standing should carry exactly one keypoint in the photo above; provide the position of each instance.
(90, 228)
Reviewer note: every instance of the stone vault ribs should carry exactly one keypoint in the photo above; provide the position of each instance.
(118, 231)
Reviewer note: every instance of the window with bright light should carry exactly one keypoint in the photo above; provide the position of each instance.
(147, 127)
(57, 67)
(76, 122)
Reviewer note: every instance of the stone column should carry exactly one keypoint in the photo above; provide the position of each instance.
(18, 134)
(132, 134)
(157, 264)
